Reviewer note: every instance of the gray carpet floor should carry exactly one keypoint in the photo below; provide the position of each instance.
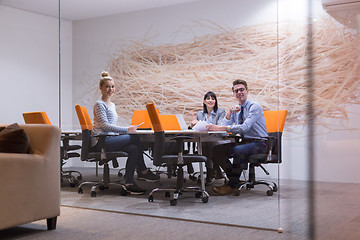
(252, 215)
(252, 208)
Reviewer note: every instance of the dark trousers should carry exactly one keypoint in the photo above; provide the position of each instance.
(130, 144)
(240, 154)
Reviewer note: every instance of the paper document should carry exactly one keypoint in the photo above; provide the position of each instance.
(201, 126)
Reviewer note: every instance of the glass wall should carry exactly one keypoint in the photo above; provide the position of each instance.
(172, 56)
(296, 57)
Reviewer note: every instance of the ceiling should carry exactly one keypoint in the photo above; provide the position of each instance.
(84, 9)
(347, 12)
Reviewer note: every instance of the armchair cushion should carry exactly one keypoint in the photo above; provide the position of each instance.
(13, 139)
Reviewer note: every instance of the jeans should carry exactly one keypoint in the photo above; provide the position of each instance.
(240, 154)
(130, 144)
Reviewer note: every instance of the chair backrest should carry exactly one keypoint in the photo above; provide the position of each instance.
(86, 127)
(154, 117)
(275, 122)
(159, 143)
(36, 118)
(84, 117)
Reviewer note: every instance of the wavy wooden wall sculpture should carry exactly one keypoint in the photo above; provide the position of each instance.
(176, 76)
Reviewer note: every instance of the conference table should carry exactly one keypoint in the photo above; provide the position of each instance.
(199, 137)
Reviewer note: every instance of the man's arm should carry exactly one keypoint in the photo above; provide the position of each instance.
(217, 128)
(233, 109)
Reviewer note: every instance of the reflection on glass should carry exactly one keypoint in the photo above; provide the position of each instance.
(172, 56)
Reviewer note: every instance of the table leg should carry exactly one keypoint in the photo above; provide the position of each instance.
(201, 165)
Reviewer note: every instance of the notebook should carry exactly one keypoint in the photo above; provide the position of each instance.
(142, 116)
(173, 122)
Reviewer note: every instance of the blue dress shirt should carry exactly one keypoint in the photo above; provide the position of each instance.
(253, 126)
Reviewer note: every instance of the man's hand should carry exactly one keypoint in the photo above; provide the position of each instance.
(233, 109)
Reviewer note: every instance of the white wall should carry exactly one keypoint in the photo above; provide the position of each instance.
(29, 67)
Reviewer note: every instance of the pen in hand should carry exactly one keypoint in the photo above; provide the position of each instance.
(140, 124)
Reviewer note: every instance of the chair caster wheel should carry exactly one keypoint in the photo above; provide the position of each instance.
(198, 194)
(237, 192)
(275, 189)
(101, 188)
(269, 192)
(73, 181)
(191, 177)
(80, 191)
(151, 198)
(93, 194)
(120, 174)
(173, 202)
(79, 178)
(123, 192)
(167, 194)
(205, 199)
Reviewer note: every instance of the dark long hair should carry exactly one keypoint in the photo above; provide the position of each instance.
(210, 94)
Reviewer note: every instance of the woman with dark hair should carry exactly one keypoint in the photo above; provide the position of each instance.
(211, 114)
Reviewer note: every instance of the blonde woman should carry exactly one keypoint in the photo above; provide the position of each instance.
(105, 121)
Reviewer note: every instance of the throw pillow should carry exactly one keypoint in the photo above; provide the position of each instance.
(13, 139)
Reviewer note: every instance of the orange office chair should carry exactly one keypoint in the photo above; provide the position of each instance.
(66, 150)
(175, 161)
(36, 118)
(102, 157)
(275, 121)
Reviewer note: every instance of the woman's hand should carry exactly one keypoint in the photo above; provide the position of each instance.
(193, 122)
(133, 128)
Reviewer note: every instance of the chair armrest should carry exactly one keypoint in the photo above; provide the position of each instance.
(239, 139)
(101, 140)
(270, 145)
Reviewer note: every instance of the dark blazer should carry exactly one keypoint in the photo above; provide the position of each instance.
(220, 114)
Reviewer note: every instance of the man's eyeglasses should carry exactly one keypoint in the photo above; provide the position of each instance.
(239, 90)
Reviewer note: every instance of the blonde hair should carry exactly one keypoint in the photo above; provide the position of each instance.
(105, 76)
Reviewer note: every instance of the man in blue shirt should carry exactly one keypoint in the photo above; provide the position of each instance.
(246, 119)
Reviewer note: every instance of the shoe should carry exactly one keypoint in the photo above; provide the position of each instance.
(134, 189)
(149, 176)
(219, 174)
(224, 189)
(210, 173)
(208, 181)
